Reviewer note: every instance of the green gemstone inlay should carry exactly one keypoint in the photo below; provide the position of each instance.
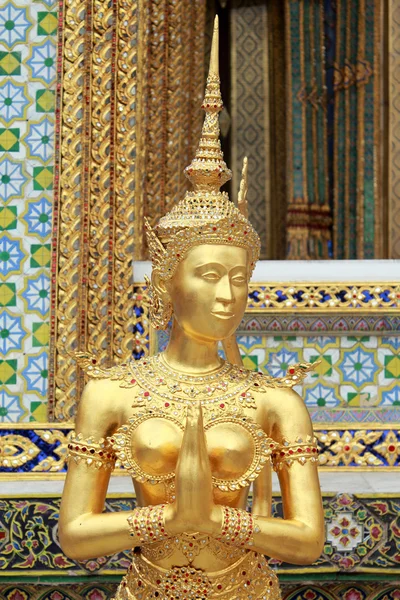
(9, 25)
(49, 62)
(43, 218)
(5, 256)
(4, 333)
(44, 373)
(5, 179)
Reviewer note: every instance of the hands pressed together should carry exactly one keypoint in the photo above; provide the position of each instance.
(194, 509)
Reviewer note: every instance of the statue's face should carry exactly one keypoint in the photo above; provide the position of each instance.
(209, 291)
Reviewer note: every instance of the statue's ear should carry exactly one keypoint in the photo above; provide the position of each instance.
(158, 284)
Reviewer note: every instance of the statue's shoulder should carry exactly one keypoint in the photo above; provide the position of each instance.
(89, 364)
(295, 375)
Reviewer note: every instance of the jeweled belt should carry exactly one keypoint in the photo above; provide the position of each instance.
(250, 577)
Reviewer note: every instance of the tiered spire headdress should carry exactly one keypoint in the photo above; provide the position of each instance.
(205, 215)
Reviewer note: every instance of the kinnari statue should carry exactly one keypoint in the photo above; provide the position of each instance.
(195, 431)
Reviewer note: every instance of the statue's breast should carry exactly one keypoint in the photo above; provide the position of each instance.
(155, 445)
(149, 447)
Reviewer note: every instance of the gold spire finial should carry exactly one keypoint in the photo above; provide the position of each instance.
(242, 196)
(208, 171)
(205, 215)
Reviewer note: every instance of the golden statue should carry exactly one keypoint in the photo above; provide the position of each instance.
(195, 431)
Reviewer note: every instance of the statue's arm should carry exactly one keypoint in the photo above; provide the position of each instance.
(84, 530)
(299, 537)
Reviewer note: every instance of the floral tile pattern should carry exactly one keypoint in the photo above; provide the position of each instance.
(357, 379)
(362, 535)
(27, 89)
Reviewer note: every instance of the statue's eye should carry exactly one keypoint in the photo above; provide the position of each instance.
(239, 279)
(211, 276)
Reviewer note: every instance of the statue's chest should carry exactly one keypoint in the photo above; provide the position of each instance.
(148, 446)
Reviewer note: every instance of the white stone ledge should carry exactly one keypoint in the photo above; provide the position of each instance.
(369, 482)
(290, 271)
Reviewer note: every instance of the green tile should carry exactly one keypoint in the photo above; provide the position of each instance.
(8, 372)
(10, 63)
(8, 218)
(42, 178)
(47, 23)
(8, 295)
(9, 139)
(40, 255)
(45, 100)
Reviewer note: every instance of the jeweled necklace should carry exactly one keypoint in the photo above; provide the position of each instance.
(229, 382)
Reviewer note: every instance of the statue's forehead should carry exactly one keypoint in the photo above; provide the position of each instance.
(216, 253)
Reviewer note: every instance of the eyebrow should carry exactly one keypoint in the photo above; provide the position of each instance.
(218, 266)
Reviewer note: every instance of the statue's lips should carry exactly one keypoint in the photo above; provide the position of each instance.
(224, 314)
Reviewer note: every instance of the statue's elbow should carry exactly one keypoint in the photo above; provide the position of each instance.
(70, 543)
(311, 551)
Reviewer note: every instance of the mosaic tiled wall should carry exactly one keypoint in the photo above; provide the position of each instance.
(362, 536)
(99, 590)
(357, 380)
(27, 90)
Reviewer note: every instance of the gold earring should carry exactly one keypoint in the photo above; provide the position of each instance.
(160, 310)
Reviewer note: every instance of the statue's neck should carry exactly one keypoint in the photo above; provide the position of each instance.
(190, 355)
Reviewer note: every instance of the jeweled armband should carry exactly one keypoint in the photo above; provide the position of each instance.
(302, 450)
(93, 453)
(237, 527)
(147, 523)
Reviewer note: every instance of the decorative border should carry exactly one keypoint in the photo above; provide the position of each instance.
(352, 589)
(40, 452)
(361, 531)
(325, 297)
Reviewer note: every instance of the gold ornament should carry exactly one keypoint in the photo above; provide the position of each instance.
(205, 215)
(160, 309)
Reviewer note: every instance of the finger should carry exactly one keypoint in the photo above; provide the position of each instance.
(194, 414)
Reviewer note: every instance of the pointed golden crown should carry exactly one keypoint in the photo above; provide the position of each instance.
(205, 215)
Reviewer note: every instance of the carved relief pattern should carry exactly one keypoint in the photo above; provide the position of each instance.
(95, 246)
(362, 448)
(174, 76)
(329, 297)
(66, 249)
(394, 128)
(128, 175)
(44, 451)
(250, 120)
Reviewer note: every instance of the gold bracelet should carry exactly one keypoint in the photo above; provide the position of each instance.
(300, 450)
(147, 523)
(93, 453)
(237, 527)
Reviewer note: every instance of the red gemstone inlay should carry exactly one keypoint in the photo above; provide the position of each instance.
(166, 404)
(391, 448)
(347, 448)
